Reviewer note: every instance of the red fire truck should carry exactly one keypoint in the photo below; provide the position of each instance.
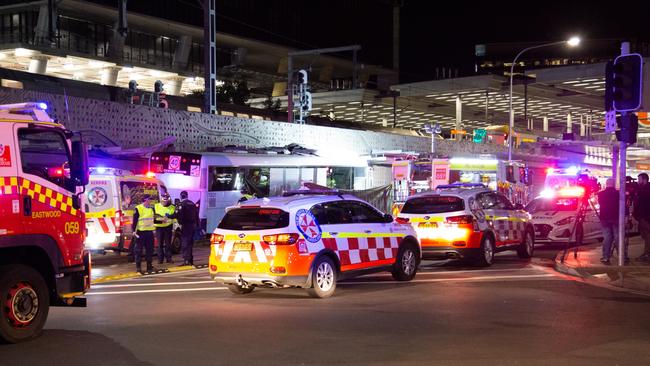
(43, 170)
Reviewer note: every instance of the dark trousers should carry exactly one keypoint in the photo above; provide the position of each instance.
(164, 237)
(145, 240)
(187, 243)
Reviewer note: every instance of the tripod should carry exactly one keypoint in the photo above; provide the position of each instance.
(581, 214)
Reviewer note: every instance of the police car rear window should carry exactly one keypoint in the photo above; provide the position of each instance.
(254, 219)
(436, 204)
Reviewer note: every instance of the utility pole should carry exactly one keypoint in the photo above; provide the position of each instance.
(210, 57)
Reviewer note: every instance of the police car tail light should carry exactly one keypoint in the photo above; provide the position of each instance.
(216, 239)
(564, 221)
(281, 239)
(402, 220)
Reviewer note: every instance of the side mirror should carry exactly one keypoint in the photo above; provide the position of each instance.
(519, 206)
(388, 218)
(79, 164)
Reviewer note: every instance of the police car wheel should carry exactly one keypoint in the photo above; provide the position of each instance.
(25, 303)
(323, 278)
(406, 264)
(527, 246)
(176, 243)
(485, 256)
(239, 290)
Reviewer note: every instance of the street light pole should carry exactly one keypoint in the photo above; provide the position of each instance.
(572, 42)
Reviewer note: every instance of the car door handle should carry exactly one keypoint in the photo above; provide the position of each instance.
(27, 206)
(333, 233)
(367, 231)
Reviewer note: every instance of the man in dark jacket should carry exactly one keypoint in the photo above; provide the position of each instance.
(642, 213)
(608, 201)
(188, 218)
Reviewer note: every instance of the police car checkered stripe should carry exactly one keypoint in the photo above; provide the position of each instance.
(16, 185)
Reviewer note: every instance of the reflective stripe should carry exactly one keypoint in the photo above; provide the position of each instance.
(145, 219)
(161, 210)
(362, 235)
(105, 213)
(37, 192)
(430, 219)
(505, 218)
(250, 237)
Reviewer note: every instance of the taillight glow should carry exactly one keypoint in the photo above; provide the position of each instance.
(281, 239)
(268, 212)
(447, 233)
(462, 219)
(216, 239)
(150, 174)
(573, 191)
(402, 220)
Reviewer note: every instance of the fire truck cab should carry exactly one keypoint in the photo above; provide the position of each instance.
(42, 259)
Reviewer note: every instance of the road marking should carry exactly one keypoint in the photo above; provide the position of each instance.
(462, 279)
(422, 272)
(154, 291)
(152, 284)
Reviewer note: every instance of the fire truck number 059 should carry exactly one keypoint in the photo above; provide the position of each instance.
(72, 227)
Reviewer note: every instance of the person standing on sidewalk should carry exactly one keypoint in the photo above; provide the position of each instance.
(642, 213)
(164, 226)
(608, 202)
(143, 229)
(188, 217)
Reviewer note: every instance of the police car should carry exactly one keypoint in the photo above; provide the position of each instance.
(555, 212)
(468, 221)
(309, 240)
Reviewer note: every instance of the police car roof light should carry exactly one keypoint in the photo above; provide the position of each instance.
(461, 185)
(332, 192)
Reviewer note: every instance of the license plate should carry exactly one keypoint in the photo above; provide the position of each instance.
(243, 247)
(428, 225)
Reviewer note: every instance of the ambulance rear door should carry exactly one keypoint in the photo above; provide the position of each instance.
(131, 190)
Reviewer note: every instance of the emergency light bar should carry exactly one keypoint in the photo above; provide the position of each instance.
(314, 192)
(35, 112)
(461, 185)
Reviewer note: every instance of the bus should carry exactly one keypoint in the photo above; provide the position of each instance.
(216, 180)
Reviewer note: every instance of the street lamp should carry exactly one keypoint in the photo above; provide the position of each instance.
(572, 42)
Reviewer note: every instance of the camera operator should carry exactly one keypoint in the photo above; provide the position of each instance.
(642, 213)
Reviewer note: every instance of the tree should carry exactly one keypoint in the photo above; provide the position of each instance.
(272, 105)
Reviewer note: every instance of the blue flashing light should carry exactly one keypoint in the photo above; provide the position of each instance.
(572, 170)
(42, 106)
(101, 170)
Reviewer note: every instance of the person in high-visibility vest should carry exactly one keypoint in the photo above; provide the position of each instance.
(143, 231)
(164, 227)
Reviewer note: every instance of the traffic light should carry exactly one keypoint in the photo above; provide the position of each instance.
(301, 77)
(628, 125)
(623, 81)
(306, 102)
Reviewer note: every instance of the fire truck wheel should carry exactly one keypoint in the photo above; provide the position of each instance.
(25, 303)
(236, 289)
(406, 264)
(176, 243)
(527, 246)
(485, 256)
(323, 278)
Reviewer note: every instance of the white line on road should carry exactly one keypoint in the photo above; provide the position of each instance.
(153, 291)
(462, 279)
(152, 284)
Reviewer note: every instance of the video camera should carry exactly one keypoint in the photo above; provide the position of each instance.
(590, 184)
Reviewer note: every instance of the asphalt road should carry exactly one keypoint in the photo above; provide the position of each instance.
(513, 313)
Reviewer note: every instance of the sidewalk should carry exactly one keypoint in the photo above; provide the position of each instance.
(633, 276)
(111, 266)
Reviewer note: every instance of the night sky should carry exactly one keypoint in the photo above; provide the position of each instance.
(433, 33)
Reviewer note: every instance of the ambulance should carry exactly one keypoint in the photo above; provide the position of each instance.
(111, 197)
(468, 221)
(308, 239)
